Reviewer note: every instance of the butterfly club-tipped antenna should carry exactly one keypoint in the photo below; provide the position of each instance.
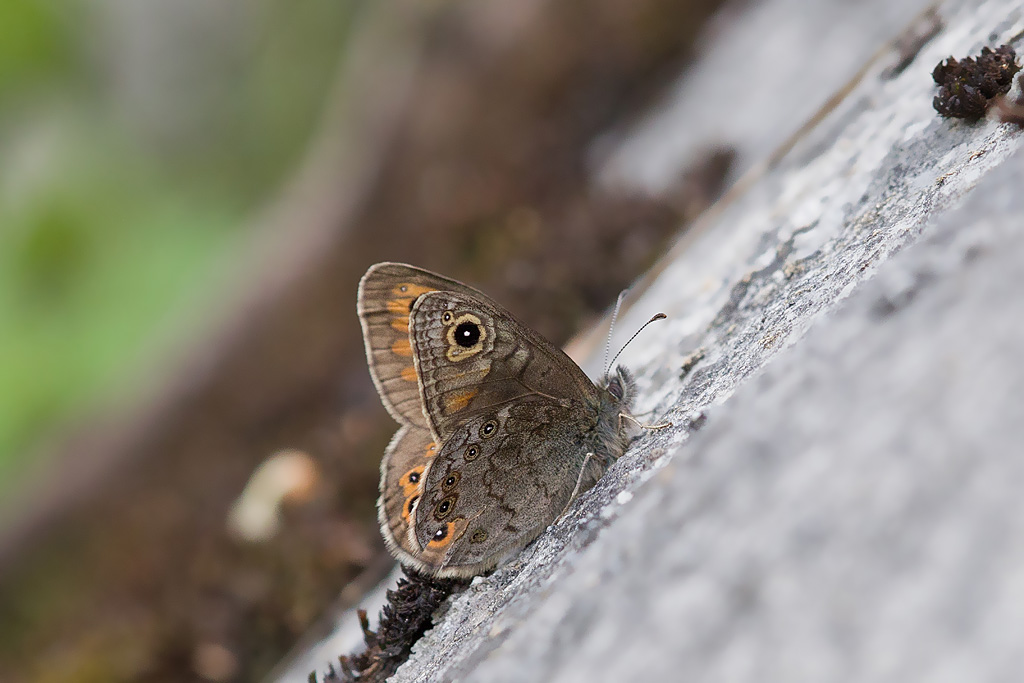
(655, 317)
(608, 366)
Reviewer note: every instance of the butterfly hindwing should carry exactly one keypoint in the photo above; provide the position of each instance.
(402, 473)
(499, 480)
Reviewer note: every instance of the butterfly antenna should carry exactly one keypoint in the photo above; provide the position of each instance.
(658, 316)
(611, 329)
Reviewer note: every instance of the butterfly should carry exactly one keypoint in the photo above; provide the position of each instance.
(500, 430)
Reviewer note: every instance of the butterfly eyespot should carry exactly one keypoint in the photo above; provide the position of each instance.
(444, 507)
(414, 477)
(440, 534)
(447, 316)
(452, 480)
(471, 453)
(489, 429)
(403, 288)
(467, 335)
(479, 536)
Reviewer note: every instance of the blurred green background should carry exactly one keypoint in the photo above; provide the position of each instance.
(137, 139)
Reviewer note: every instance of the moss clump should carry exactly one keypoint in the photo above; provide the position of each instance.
(966, 86)
(406, 616)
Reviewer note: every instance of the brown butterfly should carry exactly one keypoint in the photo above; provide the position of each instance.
(500, 430)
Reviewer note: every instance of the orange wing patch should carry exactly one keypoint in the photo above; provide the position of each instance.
(436, 548)
(410, 290)
(453, 403)
(404, 294)
(411, 481)
(402, 347)
(445, 541)
(412, 484)
(400, 306)
(407, 509)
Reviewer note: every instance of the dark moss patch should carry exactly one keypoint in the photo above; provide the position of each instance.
(406, 616)
(966, 86)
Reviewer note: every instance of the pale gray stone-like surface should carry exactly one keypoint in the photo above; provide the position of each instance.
(764, 70)
(849, 514)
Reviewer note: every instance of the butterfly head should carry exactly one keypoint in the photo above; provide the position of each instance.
(616, 398)
(620, 387)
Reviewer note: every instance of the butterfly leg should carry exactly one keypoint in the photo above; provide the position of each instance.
(641, 425)
(579, 485)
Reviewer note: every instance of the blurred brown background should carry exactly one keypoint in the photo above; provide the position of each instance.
(189, 193)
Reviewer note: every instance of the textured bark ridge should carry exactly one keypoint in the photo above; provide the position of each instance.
(839, 496)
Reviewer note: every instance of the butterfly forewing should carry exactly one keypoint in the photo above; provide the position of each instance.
(385, 300)
(472, 357)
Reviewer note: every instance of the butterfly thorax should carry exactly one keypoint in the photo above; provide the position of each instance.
(613, 432)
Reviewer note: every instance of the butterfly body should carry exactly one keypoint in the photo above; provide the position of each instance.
(500, 429)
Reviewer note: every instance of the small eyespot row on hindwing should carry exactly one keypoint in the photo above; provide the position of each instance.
(442, 537)
(489, 429)
(479, 536)
(472, 453)
(410, 481)
(442, 509)
(451, 481)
